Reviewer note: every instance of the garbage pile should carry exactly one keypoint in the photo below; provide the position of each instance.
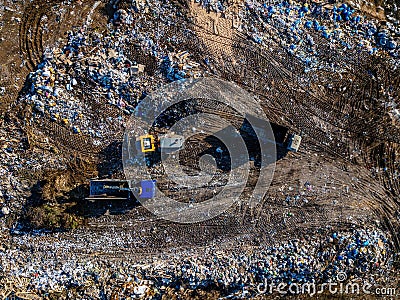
(98, 69)
(13, 189)
(102, 66)
(308, 259)
(298, 27)
(178, 66)
(54, 82)
(100, 63)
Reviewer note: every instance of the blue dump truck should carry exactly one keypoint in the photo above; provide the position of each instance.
(117, 189)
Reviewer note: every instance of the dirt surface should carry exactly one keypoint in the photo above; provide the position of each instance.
(26, 31)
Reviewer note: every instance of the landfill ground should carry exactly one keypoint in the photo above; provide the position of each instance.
(68, 86)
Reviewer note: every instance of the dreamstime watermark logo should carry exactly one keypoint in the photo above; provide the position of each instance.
(163, 125)
(340, 286)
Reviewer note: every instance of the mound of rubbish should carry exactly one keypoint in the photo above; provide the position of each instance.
(327, 71)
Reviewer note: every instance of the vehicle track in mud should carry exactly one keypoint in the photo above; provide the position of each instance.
(290, 97)
(300, 115)
(45, 22)
(282, 71)
(300, 108)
